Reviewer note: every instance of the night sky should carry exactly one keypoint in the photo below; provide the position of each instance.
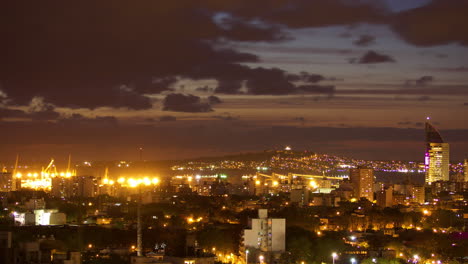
(99, 79)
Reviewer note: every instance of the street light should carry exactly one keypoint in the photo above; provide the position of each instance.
(246, 256)
(353, 260)
(334, 255)
(261, 259)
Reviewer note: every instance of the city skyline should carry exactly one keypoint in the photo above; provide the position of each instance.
(234, 132)
(184, 80)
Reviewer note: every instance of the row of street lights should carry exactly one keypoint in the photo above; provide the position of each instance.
(261, 258)
(334, 255)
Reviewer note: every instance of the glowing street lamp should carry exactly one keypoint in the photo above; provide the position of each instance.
(353, 260)
(313, 184)
(334, 255)
(246, 256)
(261, 258)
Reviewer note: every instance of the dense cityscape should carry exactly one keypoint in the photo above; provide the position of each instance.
(234, 132)
(278, 206)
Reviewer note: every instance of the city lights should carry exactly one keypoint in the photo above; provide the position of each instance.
(261, 258)
(334, 256)
(234, 132)
(313, 184)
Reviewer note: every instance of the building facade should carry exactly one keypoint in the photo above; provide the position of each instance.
(384, 197)
(76, 186)
(266, 237)
(362, 180)
(436, 158)
(466, 170)
(6, 182)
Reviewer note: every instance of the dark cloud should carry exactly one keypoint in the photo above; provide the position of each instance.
(364, 40)
(424, 80)
(345, 35)
(229, 86)
(225, 117)
(409, 124)
(299, 14)
(114, 54)
(235, 78)
(204, 89)
(238, 29)
(302, 120)
(185, 103)
(156, 85)
(90, 55)
(461, 90)
(436, 23)
(38, 111)
(454, 69)
(440, 22)
(167, 118)
(327, 89)
(41, 110)
(269, 81)
(11, 113)
(78, 119)
(214, 100)
(424, 98)
(305, 77)
(44, 115)
(294, 49)
(371, 57)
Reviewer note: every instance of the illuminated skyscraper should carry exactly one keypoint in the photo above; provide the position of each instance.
(466, 170)
(436, 158)
(362, 180)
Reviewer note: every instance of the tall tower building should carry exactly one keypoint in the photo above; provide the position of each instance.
(436, 159)
(362, 179)
(466, 170)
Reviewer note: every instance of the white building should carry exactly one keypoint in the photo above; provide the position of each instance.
(40, 217)
(266, 238)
